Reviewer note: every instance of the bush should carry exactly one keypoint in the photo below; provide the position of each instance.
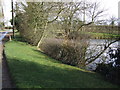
(76, 35)
(51, 47)
(69, 52)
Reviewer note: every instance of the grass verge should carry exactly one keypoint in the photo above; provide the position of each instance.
(32, 69)
(95, 35)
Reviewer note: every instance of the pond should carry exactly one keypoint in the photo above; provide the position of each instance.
(2, 35)
(96, 46)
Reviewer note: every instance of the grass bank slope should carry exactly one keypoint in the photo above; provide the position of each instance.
(32, 69)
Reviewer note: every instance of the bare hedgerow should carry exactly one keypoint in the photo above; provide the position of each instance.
(67, 51)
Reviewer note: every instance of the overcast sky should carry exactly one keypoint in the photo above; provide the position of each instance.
(110, 5)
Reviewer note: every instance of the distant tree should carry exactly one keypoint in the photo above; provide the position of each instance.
(94, 12)
(112, 20)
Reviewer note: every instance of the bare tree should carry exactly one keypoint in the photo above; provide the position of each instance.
(35, 17)
(94, 12)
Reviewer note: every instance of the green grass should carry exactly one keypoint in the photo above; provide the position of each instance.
(102, 35)
(32, 69)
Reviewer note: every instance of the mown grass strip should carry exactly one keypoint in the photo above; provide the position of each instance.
(102, 35)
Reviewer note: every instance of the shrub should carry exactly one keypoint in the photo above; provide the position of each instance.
(68, 52)
(76, 35)
(51, 47)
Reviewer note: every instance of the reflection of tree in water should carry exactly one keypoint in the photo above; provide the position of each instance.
(111, 70)
(100, 51)
(115, 55)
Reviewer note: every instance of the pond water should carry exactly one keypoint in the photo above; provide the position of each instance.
(2, 35)
(95, 47)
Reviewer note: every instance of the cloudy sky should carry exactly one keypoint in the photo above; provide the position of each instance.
(110, 5)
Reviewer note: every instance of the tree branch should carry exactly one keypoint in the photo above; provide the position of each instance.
(84, 25)
(93, 58)
(56, 16)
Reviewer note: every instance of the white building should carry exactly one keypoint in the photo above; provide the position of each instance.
(1, 12)
(119, 13)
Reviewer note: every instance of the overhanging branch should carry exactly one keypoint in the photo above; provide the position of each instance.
(93, 58)
(84, 25)
(56, 16)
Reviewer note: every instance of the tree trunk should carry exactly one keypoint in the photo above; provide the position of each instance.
(43, 35)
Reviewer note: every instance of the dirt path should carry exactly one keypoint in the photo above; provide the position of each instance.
(6, 78)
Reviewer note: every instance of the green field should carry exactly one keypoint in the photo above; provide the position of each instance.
(104, 35)
(95, 35)
(32, 69)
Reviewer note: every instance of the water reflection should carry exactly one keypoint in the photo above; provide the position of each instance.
(2, 35)
(96, 46)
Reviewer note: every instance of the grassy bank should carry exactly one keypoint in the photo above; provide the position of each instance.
(95, 35)
(33, 69)
(104, 35)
